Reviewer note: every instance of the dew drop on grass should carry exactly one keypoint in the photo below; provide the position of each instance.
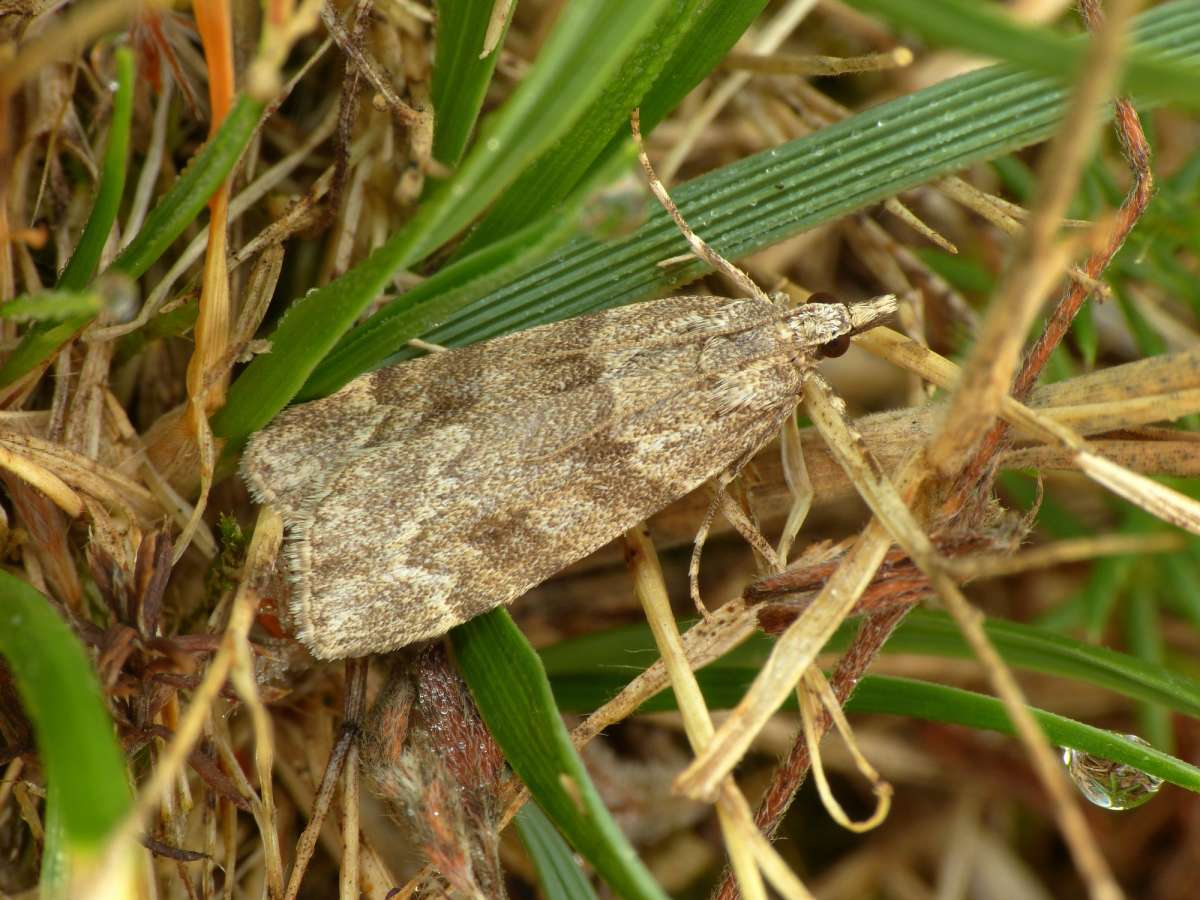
(1109, 784)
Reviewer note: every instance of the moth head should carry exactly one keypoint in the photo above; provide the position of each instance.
(863, 315)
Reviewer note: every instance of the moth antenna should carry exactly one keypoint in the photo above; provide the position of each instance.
(699, 247)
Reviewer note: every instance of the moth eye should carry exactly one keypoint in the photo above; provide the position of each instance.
(838, 345)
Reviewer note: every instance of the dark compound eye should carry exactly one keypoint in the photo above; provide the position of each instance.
(838, 345)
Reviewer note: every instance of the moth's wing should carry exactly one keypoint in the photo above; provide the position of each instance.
(289, 463)
(422, 533)
(286, 463)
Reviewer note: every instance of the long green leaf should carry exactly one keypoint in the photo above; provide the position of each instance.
(187, 197)
(510, 688)
(59, 691)
(585, 50)
(52, 306)
(982, 28)
(763, 199)
(86, 257)
(460, 75)
(1041, 650)
(924, 633)
(558, 873)
(724, 686)
(939, 703)
(550, 179)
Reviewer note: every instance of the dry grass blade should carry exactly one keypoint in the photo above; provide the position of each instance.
(649, 587)
(814, 693)
(268, 536)
(1061, 552)
(355, 708)
(44, 480)
(1038, 259)
(1157, 499)
(348, 883)
(794, 651)
(787, 64)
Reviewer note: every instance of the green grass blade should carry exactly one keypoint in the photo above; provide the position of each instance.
(924, 633)
(553, 177)
(55, 877)
(558, 874)
(763, 199)
(724, 686)
(432, 300)
(1144, 637)
(510, 688)
(82, 265)
(52, 306)
(460, 77)
(1041, 650)
(38, 344)
(42, 339)
(178, 208)
(939, 703)
(584, 51)
(59, 691)
(192, 190)
(983, 29)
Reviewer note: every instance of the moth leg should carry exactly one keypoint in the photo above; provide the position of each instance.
(745, 526)
(698, 548)
(795, 474)
(736, 516)
(699, 247)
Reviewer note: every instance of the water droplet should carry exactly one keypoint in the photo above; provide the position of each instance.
(1109, 784)
(493, 144)
(113, 86)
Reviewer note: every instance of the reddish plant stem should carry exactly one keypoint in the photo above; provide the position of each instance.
(1136, 150)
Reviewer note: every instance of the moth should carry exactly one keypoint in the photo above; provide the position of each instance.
(421, 495)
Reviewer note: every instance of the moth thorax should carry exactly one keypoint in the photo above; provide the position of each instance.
(815, 324)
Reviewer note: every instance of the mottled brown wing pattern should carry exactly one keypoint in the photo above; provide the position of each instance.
(422, 495)
(287, 463)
